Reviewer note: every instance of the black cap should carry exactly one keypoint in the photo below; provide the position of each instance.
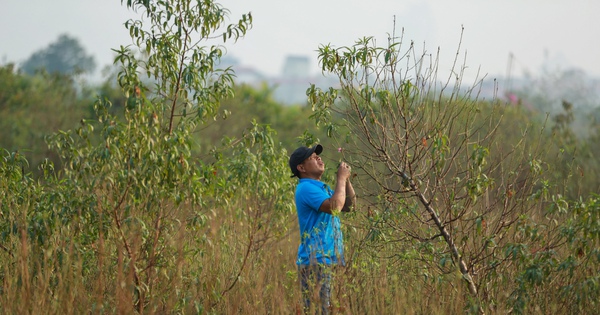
(301, 154)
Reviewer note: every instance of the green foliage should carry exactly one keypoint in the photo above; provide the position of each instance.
(65, 56)
(187, 85)
(577, 163)
(16, 192)
(33, 107)
(556, 263)
(237, 114)
(130, 190)
(570, 100)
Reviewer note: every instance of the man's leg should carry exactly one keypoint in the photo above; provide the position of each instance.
(311, 277)
(308, 282)
(325, 275)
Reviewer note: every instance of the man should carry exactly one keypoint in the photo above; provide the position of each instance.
(321, 244)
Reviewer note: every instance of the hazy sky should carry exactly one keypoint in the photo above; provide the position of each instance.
(565, 32)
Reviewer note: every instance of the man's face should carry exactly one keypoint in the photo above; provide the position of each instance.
(312, 167)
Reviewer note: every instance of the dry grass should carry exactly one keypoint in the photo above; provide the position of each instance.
(65, 277)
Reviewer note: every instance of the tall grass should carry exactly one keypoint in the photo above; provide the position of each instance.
(62, 276)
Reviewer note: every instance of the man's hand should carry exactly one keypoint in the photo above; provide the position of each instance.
(343, 196)
(344, 171)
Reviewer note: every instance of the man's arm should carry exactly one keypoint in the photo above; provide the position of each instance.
(350, 197)
(336, 203)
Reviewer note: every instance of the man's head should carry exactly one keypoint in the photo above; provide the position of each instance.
(305, 160)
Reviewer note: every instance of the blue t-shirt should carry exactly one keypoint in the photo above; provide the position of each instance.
(320, 232)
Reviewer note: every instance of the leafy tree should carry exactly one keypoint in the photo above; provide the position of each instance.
(65, 56)
(132, 201)
(433, 171)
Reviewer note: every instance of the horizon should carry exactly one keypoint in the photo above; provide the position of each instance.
(534, 35)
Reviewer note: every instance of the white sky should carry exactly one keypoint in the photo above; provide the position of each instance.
(565, 32)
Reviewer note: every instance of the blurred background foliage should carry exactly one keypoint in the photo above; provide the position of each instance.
(33, 106)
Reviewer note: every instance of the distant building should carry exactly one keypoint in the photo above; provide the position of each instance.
(294, 80)
(296, 67)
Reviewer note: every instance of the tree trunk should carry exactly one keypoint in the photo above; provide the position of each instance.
(456, 257)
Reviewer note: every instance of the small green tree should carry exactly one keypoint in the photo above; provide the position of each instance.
(131, 191)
